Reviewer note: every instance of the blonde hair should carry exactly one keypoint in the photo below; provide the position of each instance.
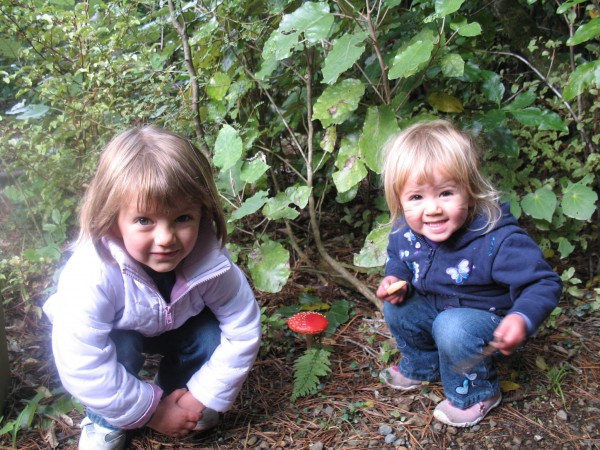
(156, 166)
(438, 144)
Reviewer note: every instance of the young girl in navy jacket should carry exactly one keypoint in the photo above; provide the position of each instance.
(473, 276)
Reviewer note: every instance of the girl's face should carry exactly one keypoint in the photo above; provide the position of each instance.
(435, 209)
(159, 240)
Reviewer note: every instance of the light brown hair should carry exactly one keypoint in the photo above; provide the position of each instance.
(160, 169)
(438, 144)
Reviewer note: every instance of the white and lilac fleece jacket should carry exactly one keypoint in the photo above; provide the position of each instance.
(94, 297)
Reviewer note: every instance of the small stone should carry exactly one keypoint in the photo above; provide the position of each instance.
(390, 438)
(438, 427)
(517, 440)
(252, 440)
(538, 438)
(385, 430)
(562, 415)
(452, 430)
(493, 424)
(316, 446)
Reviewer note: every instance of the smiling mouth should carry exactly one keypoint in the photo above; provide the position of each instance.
(436, 224)
(165, 255)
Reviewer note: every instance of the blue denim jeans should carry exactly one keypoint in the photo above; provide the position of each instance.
(184, 350)
(431, 341)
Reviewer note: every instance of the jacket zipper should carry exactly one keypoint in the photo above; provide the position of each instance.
(169, 307)
(169, 315)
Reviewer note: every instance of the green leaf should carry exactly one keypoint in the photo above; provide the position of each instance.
(453, 65)
(338, 314)
(352, 168)
(552, 121)
(299, 195)
(380, 124)
(502, 140)
(254, 169)
(353, 173)
(445, 102)
(413, 56)
(267, 67)
(33, 111)
(344, 53)
(9, 48)
(250, 206)
(269, 266)
(445, 7)
(521, 101)
(204, 32)
(492, 86)
(308, 368)
(228, 148)
(463, 28)
(279, 46)
(540, 362)
(542, 120)
(540, 204)
(218, 85)
(329, 139)
(312, 19)
(374, 251)
(564, 7)
(585, 32)
(565, 248)
(277, 207)
(581, 79)
(338, 102)
(579, 201)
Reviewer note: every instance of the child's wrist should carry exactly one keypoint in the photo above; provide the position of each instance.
(188, 401)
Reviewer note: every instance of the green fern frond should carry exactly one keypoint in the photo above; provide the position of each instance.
(314, 363)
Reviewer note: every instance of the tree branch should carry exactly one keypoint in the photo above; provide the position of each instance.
(189, 63)
(314, 223)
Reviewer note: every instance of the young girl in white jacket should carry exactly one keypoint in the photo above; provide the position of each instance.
(150, 274)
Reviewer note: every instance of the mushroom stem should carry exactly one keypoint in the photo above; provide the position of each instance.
(310, 340)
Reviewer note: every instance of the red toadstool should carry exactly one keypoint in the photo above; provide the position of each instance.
(308, 324)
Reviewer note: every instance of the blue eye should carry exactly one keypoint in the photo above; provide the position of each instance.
(143, 220)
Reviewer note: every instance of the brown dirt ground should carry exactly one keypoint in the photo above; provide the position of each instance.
(351, 405)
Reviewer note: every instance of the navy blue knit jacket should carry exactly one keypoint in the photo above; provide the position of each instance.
(503, 270)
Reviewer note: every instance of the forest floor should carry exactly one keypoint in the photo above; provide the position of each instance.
(551, 387)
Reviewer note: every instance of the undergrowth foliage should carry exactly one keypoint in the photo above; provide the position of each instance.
(293, 102)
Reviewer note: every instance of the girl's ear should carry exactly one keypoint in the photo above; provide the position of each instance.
(115, 230)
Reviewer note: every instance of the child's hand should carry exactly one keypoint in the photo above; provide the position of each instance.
(172, 419)
(388, 293)
(510, 334)
(188, 401)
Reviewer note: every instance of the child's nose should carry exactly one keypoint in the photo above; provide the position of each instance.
(164, 235)
(432, 207)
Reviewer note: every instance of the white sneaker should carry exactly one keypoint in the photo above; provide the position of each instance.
(210, 419)
(95, 437)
